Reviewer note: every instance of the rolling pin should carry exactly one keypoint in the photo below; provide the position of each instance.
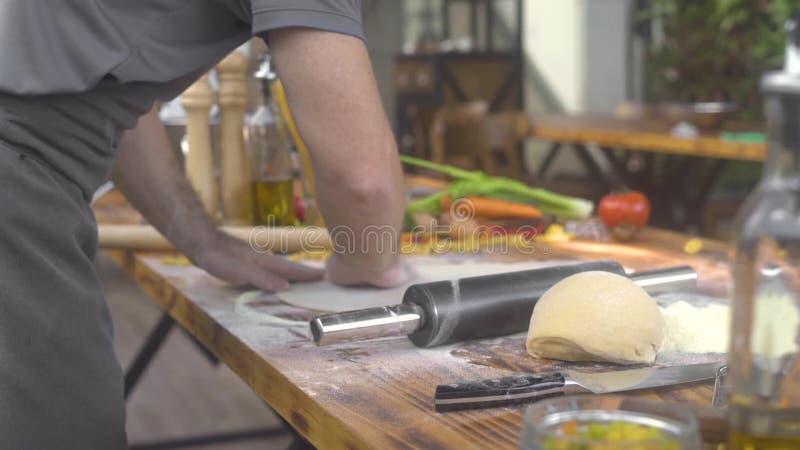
(274, 239)
(445, 312)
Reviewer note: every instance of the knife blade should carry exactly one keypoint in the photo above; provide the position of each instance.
(532, 387)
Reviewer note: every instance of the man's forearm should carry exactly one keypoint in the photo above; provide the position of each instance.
(148, 173)
(334, 97)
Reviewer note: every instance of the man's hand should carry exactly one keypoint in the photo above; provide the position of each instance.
(234, 261)
(340, 273)
(147, 172)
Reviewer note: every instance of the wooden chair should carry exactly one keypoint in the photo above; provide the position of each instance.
(468, 136)
(457, 135)
(504, 131)
(420, 118)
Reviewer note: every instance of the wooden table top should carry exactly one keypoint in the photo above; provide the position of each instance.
(644, 135)
(379, 394)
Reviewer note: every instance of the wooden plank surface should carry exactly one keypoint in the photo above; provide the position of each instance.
(644, 135)
(378, 395)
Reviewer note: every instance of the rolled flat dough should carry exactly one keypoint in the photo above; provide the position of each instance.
(596, 316)
(327, 297)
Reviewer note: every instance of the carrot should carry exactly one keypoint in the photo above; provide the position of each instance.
(570, 428)
(489, 208)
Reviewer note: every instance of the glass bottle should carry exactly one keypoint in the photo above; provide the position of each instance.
(270, 158)
(764, 356)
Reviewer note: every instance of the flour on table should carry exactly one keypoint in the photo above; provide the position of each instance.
(696, 329)
(327, 297)
(695, 324)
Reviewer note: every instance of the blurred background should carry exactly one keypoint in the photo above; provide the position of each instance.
(635, 59)
(580, 97)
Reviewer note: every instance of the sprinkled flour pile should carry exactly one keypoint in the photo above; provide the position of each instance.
(696, 328)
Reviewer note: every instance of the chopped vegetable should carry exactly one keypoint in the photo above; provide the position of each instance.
(493, 208)
(693, 246)
(570, 428)
(608, 436)
(476, 183)
(555, 234)
(176, 261)
(451, 171)
(624, 214)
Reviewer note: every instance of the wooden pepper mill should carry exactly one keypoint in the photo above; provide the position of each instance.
(235, 174)
(197, 101)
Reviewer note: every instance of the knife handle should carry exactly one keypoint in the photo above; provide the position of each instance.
(503, 391)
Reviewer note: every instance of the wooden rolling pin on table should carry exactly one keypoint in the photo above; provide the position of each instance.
(263, 239)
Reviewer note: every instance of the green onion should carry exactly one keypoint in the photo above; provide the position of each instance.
(478, 183)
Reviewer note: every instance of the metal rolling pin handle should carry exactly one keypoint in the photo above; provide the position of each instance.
(670, 279)
(364, 324)
(428, 312)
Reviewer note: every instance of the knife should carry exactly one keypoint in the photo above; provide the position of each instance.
(532, 387)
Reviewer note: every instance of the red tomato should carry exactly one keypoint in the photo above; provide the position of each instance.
(625, 213)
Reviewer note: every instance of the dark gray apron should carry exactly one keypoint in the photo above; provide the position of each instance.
(60, 382)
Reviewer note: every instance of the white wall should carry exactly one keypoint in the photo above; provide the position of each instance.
(553, 47)
(576, 52)
(605, 73)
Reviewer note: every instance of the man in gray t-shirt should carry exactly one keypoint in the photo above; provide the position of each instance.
(78, 80)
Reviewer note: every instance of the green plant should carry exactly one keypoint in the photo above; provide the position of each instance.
(715, 50)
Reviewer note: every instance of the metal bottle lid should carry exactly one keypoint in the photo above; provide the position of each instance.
(786, 81)
(265, 70)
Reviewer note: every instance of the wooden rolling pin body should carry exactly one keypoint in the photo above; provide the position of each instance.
(262, 239)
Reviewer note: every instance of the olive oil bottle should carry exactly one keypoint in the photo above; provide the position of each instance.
(270, 159)
(764, 358)
(745, 441)
(274, 202)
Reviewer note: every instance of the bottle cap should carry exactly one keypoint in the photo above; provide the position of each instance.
(786, 81)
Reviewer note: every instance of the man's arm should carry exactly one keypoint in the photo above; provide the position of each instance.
(334, 97)
(147, 172)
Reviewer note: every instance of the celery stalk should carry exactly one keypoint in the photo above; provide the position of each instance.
(450, 171)
(478, 183)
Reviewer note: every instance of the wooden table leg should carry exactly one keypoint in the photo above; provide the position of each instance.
(619, 169)
(548, 160)
(617, 165)
(706, 184)
(669, 191)
(615, 179)
(140, 363)
(147, 353)
(591, 166)
(299, 443)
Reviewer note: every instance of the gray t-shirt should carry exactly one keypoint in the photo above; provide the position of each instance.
(75, 73)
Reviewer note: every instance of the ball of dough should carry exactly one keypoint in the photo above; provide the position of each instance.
(596, 316)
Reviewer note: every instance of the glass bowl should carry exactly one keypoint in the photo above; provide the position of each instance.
(608, 422)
